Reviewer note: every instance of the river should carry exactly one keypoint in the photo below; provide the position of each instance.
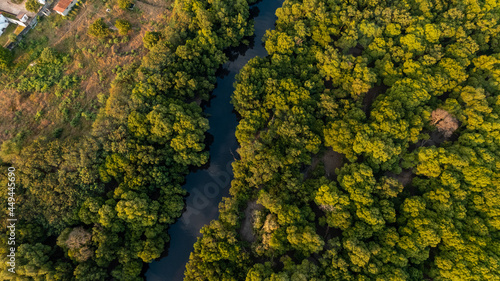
(206, 187)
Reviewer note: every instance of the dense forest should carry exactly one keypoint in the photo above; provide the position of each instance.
(370, 147)
(98, 206)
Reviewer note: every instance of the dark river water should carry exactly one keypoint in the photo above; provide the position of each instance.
(206, 187)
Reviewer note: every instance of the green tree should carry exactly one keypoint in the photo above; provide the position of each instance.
(34, 260)
(150, 39)
(32, 5)
(124, 4)
(123, 26)
(98, 28)
(5, 58)
(89, 271)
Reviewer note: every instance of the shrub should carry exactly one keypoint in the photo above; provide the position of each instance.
(150, 39)
(5, 58)
(124, 4)
(98, 28)
(65, 114)
(32, 6)
(47, 72)
(12, 37)
(76, 120)
(123, 26)
(38, 115)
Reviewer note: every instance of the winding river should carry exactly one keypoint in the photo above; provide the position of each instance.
(206, 187)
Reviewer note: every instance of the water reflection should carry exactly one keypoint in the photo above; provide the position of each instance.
(207, 186)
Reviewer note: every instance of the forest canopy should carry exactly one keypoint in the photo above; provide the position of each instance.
(98, 206)
(370, 147)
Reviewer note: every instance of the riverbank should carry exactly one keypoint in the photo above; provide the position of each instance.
(208, 187)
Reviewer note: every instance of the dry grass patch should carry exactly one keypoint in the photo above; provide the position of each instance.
(94, 61)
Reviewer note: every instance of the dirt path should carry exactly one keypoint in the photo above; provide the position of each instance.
(74, 24)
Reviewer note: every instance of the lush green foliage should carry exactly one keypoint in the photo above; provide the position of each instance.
(121, 184)
(45, 73)
(123, 26)
(150, 39)
(370, 143)
(98, 28)
(124, 4)
(5, 58)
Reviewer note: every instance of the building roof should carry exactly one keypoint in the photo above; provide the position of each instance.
(20, 15)
(3, 19)
(3, 23)
(62, 5)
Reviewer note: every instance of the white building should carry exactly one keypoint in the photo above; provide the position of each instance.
(21, 19)
(4, 22)
(64, 6)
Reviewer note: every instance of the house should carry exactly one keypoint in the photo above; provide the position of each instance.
(64, 6)
(22, 17)
(4, 22)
